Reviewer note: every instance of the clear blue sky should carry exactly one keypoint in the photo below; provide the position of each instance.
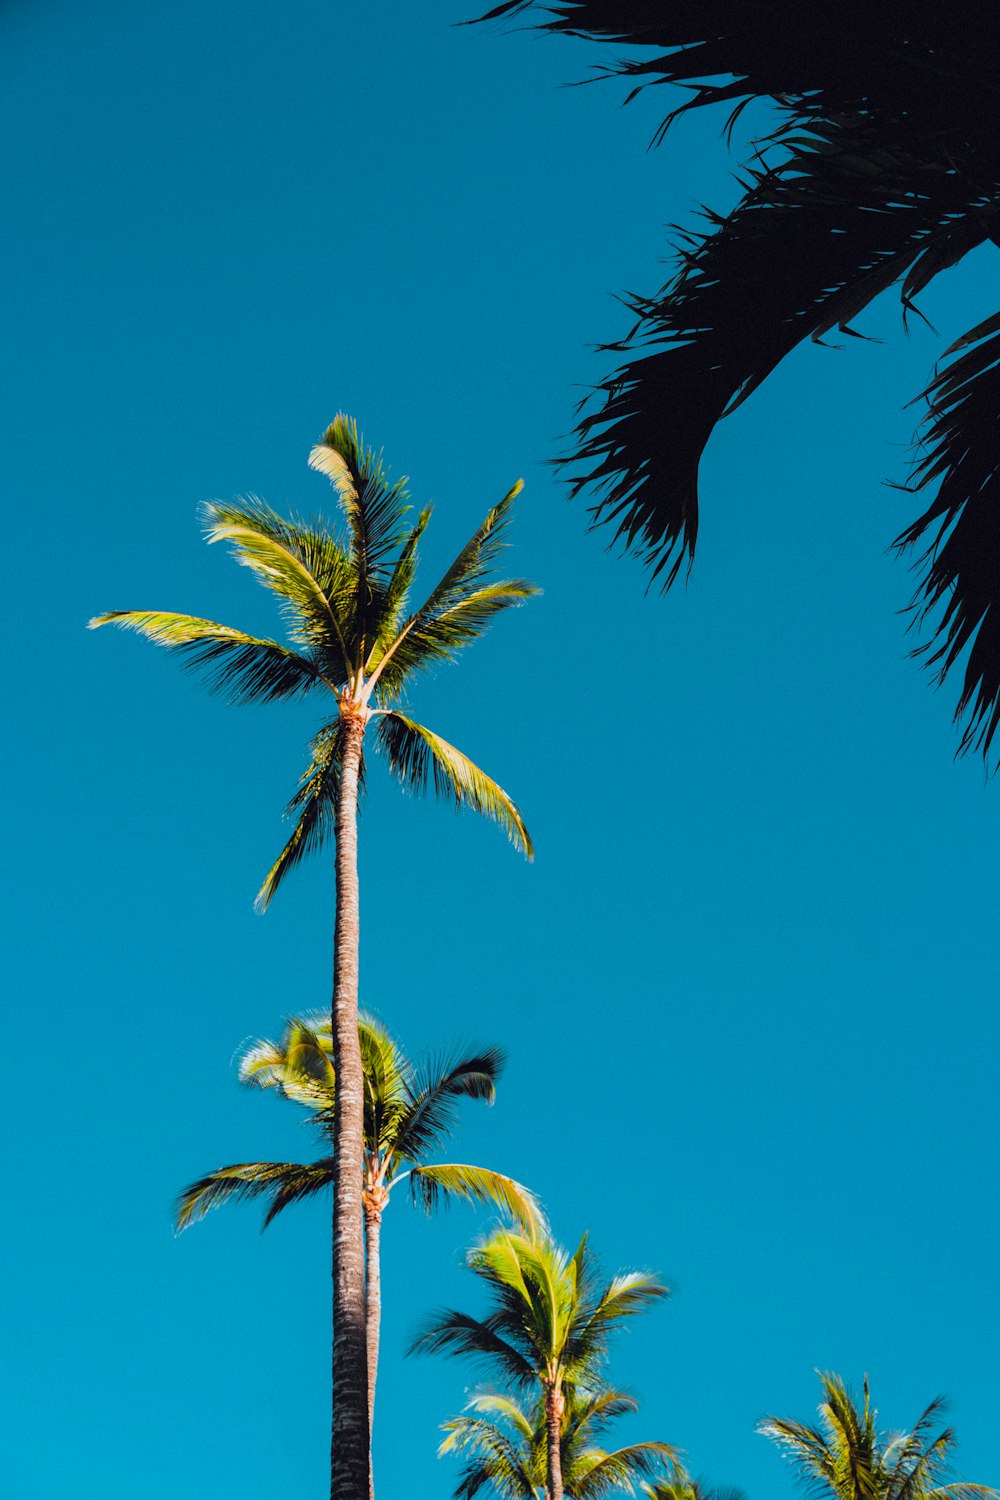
(749, 987)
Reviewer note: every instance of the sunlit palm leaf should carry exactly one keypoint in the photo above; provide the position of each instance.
(620, 1472)
(416, 753)
(275, 551)
(374, 508)
(282, 1182)
(478, 1185)
(245, 668)
(434, 1094)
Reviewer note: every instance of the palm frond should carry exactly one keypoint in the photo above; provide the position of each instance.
(455, 1333)
(446, 1180)
(427, 641)
(314, 808)
(374, 508)
(244, 668)
(304, 566)
(283, 1182)
(493, 1458)
(397, 592)
(958, 595)
(435, 1093)
(812, 242)
(415, 753)
(622, 1471)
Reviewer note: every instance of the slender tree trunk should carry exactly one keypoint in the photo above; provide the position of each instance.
(349, 1443)
(554, 1404)
(374, 1203)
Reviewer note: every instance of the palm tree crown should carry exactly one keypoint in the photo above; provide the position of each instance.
(548, 1327)
(409, 1111)
(847, 1458)
(346, 606)
(504, 1444)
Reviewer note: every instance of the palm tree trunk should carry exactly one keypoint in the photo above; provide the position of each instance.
(349, 1441)
(374, 1202)
(554, 1404)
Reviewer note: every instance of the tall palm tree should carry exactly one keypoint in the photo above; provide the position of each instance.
(847, 1458)
(505, 1446)
(548, 1327)
(409, 1111)
(345, 600)
(882, 169)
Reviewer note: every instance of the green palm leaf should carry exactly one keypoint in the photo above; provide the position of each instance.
(282, 557)
(314, 808)
(283, 1182)
(245, 668)
(416, 753)
(374, 508)
(478, 1185)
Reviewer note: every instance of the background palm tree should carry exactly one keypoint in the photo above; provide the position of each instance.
(505, 1446)
(409, 1111)
(847, 1458)
(882, 168)
(548, 1328)
(345, 601)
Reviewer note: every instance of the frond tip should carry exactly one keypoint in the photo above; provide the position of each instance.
(415, 753)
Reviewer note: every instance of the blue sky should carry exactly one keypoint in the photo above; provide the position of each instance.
(748, 987)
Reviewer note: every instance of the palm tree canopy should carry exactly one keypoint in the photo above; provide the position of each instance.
(551, 1313)
(344, 594)
(846, 1457)
(503, 1443)
(883, 169)
(409, 1112)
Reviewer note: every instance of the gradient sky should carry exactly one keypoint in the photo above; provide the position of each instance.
(748, 989)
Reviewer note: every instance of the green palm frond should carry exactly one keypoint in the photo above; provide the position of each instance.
(435, 1093)
(446, 1180)
(416, 753)
(314, 808)
(283, 1182)
(624, 1297)
(306, 568)
(397, 592)
(851, 1461)
(621, 1472)
(545, 1304)
(494, 1456)
(426, 642)
(374, 508)
(244, 668)
(455, 1333)
(503, 1443)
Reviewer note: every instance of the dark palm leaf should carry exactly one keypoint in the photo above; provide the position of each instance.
(314, 808)
(884, 166)
(959, 533)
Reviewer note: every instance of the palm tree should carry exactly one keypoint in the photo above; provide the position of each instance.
(548, 1327)
(409, 1111)
(345, 601)
(882, 169)
(505, 1446)
(847, 1458)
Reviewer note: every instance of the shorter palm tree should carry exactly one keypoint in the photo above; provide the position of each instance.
(849, 1459)
(505, 1446)
(548, 1328)
(408, 1112)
